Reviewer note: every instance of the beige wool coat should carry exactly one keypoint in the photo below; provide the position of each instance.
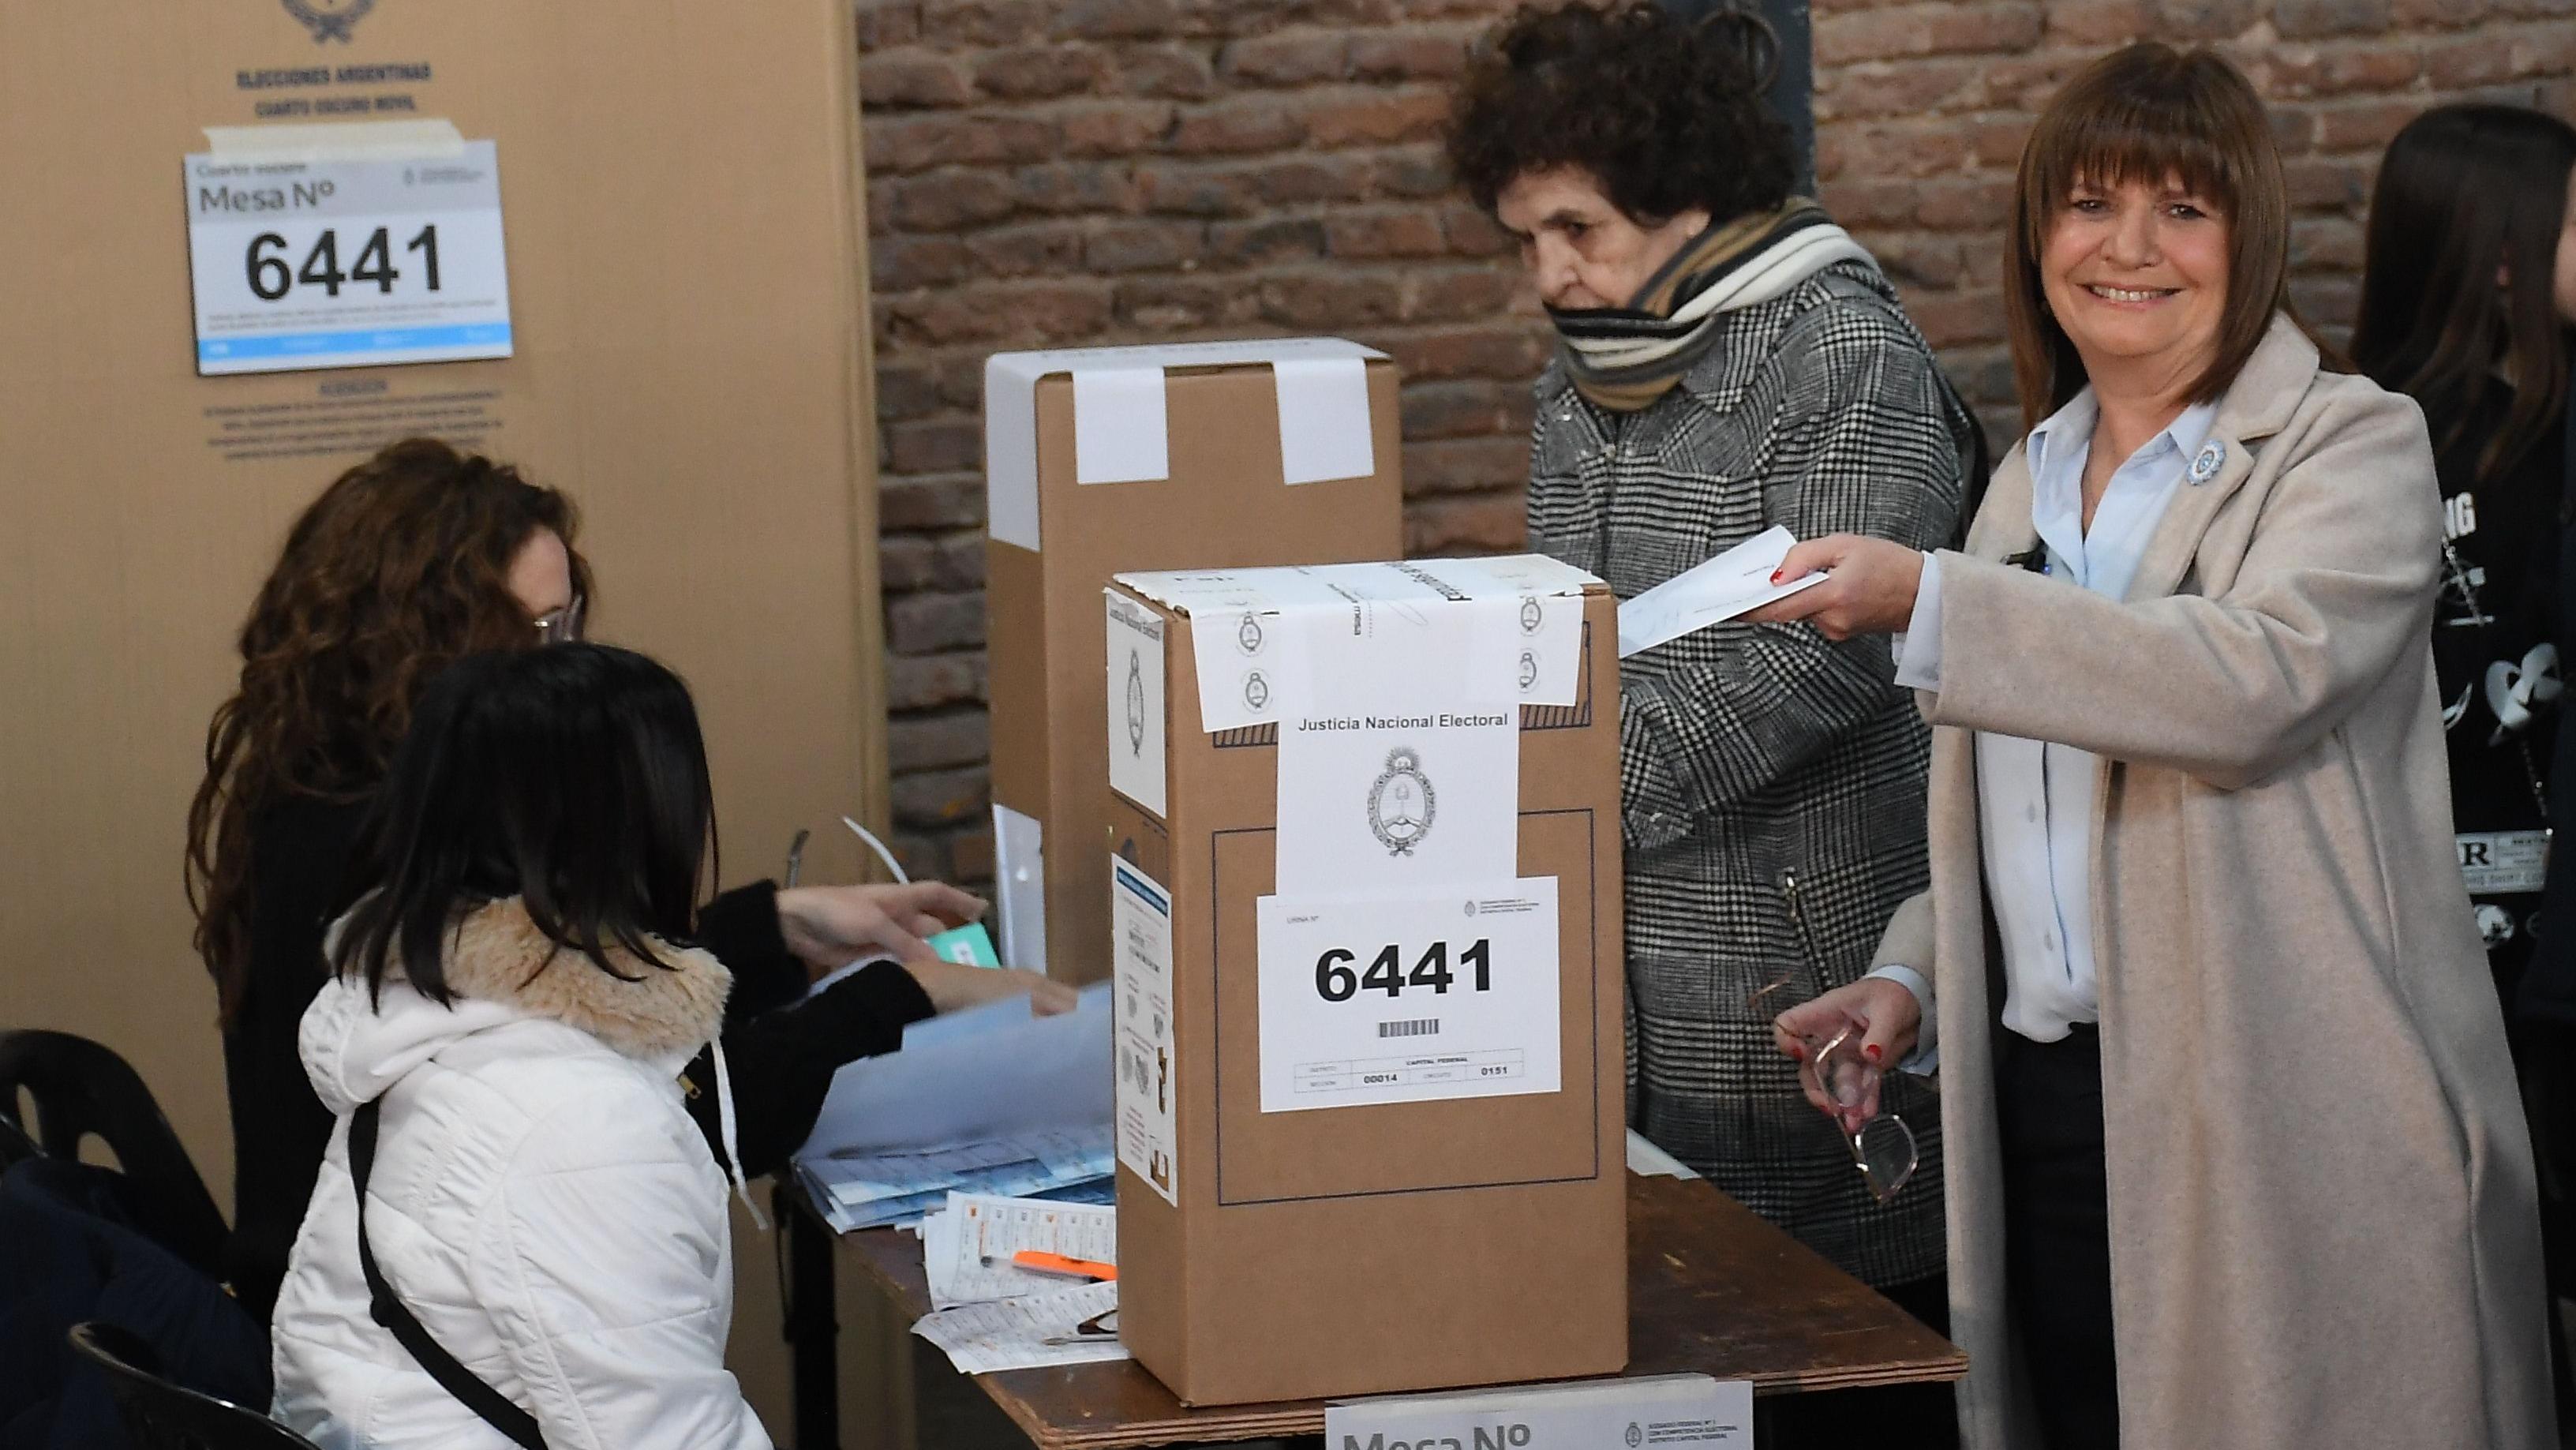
(2322, 1205)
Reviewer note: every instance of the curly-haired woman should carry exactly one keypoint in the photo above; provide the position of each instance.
(408, 562)
(1728, 361)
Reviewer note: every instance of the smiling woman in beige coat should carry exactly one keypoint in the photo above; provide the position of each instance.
(2235, 1152)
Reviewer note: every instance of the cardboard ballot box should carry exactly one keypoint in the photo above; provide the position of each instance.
(1223, 454)
(1365, 886)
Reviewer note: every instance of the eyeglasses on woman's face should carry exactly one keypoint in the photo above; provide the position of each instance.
(563, 625)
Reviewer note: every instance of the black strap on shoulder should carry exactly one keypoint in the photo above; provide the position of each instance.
(455, 1378)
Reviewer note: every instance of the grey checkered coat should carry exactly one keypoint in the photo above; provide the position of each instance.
(1755, 754)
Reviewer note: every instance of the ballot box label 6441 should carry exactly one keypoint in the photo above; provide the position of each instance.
(1405, 999)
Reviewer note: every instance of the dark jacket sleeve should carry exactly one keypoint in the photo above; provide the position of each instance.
(280, 1128)
(741, 928)
(2548, 989)
(781, 1062)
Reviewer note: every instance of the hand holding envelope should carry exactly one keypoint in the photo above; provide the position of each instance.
(1873, 586)
(1731, 584)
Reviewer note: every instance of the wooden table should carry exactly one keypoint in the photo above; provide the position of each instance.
(1712, 1290)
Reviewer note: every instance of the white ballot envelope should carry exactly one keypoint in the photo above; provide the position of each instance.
(1733, 583)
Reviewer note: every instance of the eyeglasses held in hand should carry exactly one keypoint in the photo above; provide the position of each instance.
(1882, 1146)
(561, 626)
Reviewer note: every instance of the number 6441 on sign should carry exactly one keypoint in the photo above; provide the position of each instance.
(1417, 998)
(316, 262)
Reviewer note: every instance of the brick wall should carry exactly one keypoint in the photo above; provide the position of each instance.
(1921, 110)
(1075, 172)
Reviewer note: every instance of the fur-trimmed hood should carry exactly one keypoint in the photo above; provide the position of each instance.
(503, 970)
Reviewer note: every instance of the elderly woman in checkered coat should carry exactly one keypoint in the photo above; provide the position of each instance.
(1729, 360)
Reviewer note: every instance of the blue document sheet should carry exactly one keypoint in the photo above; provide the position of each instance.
(988, 1101)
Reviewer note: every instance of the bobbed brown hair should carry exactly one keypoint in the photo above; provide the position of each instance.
(2146, 113)
(400, 568)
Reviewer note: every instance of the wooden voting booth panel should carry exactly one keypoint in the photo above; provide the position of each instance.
(681, 203)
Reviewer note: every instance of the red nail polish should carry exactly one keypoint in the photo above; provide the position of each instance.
(1798, 1051)
(1776, 573)
(1870, 1052)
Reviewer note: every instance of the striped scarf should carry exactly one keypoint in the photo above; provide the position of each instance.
(1624, 358)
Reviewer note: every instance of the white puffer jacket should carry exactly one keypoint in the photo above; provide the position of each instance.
(540, 1200)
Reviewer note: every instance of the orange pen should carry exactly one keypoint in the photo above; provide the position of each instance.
(1046, 1263)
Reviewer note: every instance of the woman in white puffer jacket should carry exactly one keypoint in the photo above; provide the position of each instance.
(509, 991)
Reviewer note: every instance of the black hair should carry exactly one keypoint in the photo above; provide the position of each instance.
(573, 777)
(2465, 191)
(1665, 113)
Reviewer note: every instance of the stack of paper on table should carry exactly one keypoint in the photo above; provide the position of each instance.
(1733, 583)
(966, 1249)
(991, 1101)
(990, 1313)
(1033, 1332)
(876, 1189)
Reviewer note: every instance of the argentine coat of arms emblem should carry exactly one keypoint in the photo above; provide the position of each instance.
(1401, 803)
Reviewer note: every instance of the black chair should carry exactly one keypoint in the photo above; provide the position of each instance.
(81, 1089)
(163, 1416)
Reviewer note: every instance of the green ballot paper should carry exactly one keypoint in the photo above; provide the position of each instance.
(968, 946)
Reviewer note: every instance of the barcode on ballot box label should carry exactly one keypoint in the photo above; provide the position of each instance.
(1411, 1027)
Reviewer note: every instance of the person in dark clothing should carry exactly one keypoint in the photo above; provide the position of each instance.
(72, 1251)
(409, 561)
(2470, 236)
(2468, 305)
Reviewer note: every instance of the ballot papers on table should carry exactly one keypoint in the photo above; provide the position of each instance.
(1733, 583)
(880, 1189)
(967, 1248)
(990, 1101)
(1038, 1331)
(991, 1314)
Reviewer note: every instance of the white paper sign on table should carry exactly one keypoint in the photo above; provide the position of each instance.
(346, 262)
(1659, 1412)
(1733, 583)
(1409, 999)
(1147, 1116)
